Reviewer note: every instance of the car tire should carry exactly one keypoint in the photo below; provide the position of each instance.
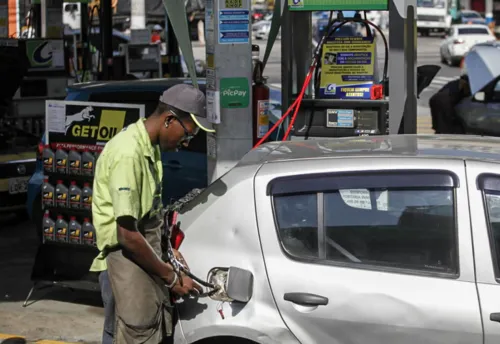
(37, 217)
(443, 60)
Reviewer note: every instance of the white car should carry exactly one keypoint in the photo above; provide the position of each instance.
(378, 240)
(460, 39)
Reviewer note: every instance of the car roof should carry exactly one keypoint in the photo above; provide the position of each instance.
(158, 84)
(461, 147)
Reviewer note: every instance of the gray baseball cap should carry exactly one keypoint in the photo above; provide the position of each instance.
(191, 100)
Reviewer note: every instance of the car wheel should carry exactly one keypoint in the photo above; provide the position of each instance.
(38, 217)
(443, 60)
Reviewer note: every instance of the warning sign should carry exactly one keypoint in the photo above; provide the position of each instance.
(87, 125)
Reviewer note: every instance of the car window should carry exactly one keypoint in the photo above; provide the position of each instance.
(470, 15)
(473, 31)
(400, 228)
(150, 101)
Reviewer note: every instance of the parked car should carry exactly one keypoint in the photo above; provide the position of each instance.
(182, 171)
(460, 39)
(391, 239)
(17, 164)
(479, 113)
(471, 17)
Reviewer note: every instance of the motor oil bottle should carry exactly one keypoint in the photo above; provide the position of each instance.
(75, 196)
(61, 161)
(61, 229)
(75, 231)
(87, 196)
(75, 162)
(48, 193)
(88, 235)
(48, 227)
(49, 160)
(61, 194)
(88, 163)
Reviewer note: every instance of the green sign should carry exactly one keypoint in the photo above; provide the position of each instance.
(234, 93)
(338, 5)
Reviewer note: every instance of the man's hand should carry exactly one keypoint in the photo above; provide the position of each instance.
(188, 287)
(180, 258)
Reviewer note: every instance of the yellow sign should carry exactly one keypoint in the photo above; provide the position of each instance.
(111, 123)
(347, 68)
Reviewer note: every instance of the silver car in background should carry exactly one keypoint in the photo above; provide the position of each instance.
(380, 240)
(460, 38)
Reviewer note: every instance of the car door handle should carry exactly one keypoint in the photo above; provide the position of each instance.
(306, 299)
(174, 164)
(495, 317)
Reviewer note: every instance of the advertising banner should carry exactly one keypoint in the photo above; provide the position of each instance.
(338, 5)
(347, 68)
(86, 125)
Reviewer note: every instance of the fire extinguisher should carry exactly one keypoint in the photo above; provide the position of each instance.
(260, 101)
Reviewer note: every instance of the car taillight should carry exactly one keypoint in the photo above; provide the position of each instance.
(39, 151)
(458, 41)
(176, 237)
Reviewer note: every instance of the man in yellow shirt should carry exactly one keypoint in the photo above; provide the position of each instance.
(127, 215)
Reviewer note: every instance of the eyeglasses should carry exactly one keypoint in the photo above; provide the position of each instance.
(187, 136)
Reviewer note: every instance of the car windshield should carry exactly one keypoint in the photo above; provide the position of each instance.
(473, 31)
(470, 15)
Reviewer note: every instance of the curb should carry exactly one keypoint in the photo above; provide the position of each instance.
(4, 336)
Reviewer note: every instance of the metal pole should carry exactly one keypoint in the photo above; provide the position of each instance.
(489, 11)
(229, 85)
(84, 27)
(106, 38)
(137, 14)
(402, 90)
(174, 60)
(43, 18)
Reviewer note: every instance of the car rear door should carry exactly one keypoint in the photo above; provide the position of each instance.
(374, 251)
(484, 201)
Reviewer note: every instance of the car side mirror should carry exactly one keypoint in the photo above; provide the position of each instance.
(480, 96)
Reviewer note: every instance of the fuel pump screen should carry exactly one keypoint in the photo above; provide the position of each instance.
(340, 118)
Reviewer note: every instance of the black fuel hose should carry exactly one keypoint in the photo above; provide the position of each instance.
(197, 279)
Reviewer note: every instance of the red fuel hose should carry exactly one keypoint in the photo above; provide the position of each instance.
(298, 101)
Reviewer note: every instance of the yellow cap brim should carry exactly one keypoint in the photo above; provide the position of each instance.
(201, 126)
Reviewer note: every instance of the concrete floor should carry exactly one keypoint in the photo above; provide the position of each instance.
(53, 313)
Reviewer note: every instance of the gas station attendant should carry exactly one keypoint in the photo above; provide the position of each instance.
(127, 215)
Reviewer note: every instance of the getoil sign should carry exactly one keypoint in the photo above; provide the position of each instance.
(88, 123)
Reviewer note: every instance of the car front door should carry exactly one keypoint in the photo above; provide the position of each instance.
(374, 251)
(484, 200)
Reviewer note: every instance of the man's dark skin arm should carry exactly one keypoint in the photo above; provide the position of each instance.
(143, 255)
(140, 251)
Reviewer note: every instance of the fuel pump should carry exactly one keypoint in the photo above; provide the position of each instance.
(260, 99)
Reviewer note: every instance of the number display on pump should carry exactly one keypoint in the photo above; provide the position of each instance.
(234, 3)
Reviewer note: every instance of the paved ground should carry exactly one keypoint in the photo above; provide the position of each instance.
(53, 313)
(77, 316)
